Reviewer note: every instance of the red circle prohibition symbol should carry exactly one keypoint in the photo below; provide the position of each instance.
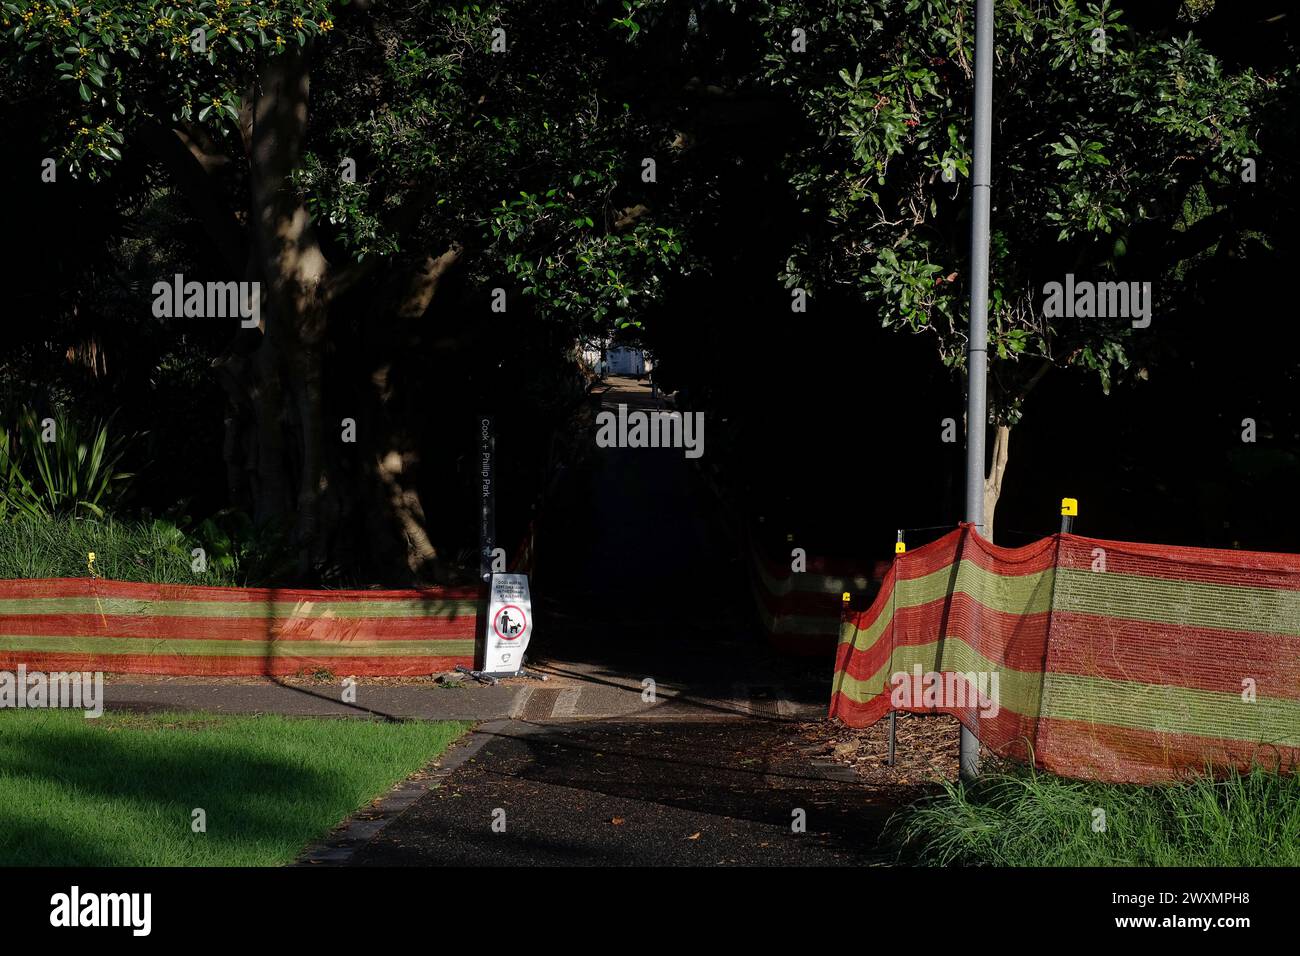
(496, 625)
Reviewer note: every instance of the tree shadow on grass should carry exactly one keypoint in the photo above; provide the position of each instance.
(28, 842)
(136, 798)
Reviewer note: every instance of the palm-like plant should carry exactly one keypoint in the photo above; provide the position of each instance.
(44, 474)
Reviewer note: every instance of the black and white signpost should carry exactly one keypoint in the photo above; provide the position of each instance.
(487, 529)
(507, 623)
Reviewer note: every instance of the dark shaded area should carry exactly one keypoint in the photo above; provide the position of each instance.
(640, 578)
(636, 794)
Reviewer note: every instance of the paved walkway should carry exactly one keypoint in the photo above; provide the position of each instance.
(642, 793)
(569, 695)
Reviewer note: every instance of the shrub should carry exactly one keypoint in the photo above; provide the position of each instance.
(66, 475)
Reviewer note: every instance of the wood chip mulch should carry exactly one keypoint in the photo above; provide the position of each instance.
(925, 752)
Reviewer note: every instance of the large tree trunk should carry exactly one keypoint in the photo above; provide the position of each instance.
(993, 482)
(354, 507)
(295, 273)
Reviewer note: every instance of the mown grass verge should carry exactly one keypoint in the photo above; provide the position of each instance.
(121, 790)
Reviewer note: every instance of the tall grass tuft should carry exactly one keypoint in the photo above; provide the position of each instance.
(1016, 816)
(57, 547)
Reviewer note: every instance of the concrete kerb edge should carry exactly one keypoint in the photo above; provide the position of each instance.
(338, 848)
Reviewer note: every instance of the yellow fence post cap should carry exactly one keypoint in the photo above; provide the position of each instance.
(845, 597)
(900, 547)
(1070, 506)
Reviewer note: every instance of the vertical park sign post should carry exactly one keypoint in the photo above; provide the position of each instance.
(487, 525)
(507, 623)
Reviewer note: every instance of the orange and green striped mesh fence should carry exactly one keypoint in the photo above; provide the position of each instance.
(1096, 659)
(99, 625)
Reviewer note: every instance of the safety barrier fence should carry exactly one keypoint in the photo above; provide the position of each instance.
(1095, 659)
(94, 624)
(800, 610)
(98, 625)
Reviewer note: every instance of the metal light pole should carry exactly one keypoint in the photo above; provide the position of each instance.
(977, 353)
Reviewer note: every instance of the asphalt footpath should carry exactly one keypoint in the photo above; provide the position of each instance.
(639, 793)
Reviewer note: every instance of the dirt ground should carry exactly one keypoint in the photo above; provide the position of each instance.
(925, 751)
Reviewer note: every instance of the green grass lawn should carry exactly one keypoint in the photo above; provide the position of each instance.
(119, 790)
(1016, 817)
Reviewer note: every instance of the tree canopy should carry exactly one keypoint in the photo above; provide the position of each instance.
(439, 198)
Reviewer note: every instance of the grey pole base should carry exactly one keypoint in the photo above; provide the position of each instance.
(969, 758)
(483, 677)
